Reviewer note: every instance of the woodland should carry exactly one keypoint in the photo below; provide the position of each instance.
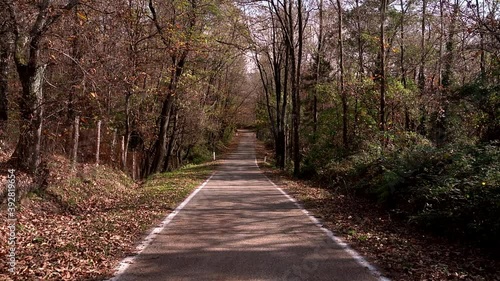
(396, 102)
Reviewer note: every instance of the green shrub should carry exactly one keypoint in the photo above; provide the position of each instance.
(453, 191)
(464, 200)
(199, 154)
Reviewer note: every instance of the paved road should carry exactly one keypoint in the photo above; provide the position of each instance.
(241, 227)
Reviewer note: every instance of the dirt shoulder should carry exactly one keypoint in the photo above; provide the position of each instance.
(399, 250)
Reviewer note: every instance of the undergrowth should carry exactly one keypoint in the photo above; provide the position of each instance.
(452, 191)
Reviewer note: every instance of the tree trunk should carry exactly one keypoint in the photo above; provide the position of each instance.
(76, 135)
(4, 81)
(31, 73)
(407, 121)
(98, 147)
(265, 85)
(360, 42)
(123, 155)
(275, 60)
(134, 165)
(482, 61)
(113, 147)
(27, 152)
(450, 47)
(343, 94)
(422, 127)
(296, 64)
(448, 79)
(319, 57)
(361, 70)
(128, 130)
(285, 143)
(179, 60)
(160, 149)
(5, 55)
(280, 98)
(382, 77)
(172, 140)
(421, 70)
(76, 54)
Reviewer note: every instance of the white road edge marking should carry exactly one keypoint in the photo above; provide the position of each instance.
(126, 262)
(355, 255)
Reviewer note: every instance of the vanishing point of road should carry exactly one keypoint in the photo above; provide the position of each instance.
(240, 226)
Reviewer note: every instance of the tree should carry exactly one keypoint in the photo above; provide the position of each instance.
(31, 70)
(319, 57)
(383, 11)
(5, 54)
(179, 55)
(402, 60)
(343, 94)
(294, 25)
(421, 70)
(287, 17)
(275, 59)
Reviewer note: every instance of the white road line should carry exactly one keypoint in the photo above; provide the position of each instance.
(126, 262)
(355, 255)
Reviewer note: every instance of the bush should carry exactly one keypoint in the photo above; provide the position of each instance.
(199, 154)
(452, 191)
(464, 200)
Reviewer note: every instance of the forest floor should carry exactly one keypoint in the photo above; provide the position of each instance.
(400, 251)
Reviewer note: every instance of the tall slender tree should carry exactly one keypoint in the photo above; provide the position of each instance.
(382, 66)
(319, 57)
(342, 91)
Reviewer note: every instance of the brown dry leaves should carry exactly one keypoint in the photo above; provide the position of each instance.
(86, 222)
(400, 251)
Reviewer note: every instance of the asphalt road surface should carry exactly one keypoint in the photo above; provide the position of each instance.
(240, 226)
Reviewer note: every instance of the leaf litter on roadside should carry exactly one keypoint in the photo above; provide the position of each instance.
(399, 250)
(84, 223)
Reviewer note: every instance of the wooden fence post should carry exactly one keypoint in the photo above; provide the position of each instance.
(113, 145)
(76, 135)
(98, 149)
(124, 161)
(134, 165)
